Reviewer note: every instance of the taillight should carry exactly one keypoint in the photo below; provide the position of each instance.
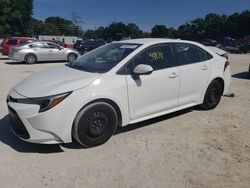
(226, 64)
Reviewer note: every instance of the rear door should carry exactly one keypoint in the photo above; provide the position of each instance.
(9, 43)
(157, 92)
(42, 51)
(195, 66)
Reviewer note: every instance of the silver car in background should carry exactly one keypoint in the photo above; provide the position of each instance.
(42, 51)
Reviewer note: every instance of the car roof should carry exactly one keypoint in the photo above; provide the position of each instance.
(51, 41)
(21, 38)
(37, 42)
(149, 41)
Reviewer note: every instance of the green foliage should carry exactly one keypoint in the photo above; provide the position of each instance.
(16, 20)
(115, 31)
(15, 17)
(215, 26)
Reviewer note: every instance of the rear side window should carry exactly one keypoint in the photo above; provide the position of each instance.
(159, 57)
(12, 42)
(188, 54)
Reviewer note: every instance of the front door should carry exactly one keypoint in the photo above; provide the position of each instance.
(56, 52)
(157, 92)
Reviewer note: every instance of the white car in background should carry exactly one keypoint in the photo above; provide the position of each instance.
(42, 51)
(116, 85)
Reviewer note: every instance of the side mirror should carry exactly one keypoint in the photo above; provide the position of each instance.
(143, 69)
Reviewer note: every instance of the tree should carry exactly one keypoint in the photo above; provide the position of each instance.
(15, 17)
(117, 31)
(133, 31)
(90, 34)
(159, 31)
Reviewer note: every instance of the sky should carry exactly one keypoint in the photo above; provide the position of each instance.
(144, 13)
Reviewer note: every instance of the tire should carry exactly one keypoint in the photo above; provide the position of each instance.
(212, 96)
(95, 124)
(71, 57)
(30, 59)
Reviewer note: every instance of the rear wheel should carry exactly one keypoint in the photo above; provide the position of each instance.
(212, 96)
(30, 59)
(95, 124)
(71, 57)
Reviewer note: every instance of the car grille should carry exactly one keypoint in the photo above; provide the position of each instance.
(17, 124)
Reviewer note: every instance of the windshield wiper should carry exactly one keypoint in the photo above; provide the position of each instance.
(87, 69)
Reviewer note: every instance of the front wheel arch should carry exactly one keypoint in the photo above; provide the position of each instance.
(95, 124)
(108, 101)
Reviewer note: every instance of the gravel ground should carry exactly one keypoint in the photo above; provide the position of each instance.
(190, 148)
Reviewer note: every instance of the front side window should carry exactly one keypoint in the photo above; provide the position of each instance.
(188, 54)
(158, 57)
(104, 58)
(51, 45)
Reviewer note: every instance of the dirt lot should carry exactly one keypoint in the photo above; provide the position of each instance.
(190, 148)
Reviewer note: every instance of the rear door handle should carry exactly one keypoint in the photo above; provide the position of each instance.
(173, 75)
(205, 67)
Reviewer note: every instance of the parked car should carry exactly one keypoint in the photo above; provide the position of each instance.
(60, 43)
(14, 41)
(245, 39)
(42, 51)
(1, 43)
(88, 45)
(115, 85)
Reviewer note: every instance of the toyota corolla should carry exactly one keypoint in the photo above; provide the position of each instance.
(116, 85)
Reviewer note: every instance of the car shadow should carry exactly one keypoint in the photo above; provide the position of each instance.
(4, 58)
(242, 75)
(7, 137)
(23, 63)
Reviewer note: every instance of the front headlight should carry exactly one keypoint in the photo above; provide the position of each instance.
(45, 103)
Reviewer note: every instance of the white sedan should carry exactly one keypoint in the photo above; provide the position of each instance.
(116, 85)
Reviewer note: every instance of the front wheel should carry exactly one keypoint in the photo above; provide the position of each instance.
(95, 124)
(212, 96)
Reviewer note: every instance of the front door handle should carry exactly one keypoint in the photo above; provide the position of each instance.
(173, 75)
(205, 67)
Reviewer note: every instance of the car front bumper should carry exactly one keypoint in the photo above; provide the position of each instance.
(47, 127)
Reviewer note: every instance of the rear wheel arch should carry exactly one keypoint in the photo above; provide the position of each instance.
(222, 83)
(29, 55)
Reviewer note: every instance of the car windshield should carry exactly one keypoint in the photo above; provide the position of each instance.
(104, 58)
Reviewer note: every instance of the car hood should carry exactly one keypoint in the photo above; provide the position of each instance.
(55, 81)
